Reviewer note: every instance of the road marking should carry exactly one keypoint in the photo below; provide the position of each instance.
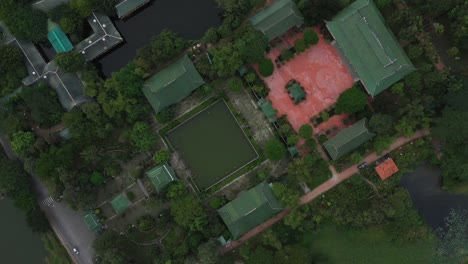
(49, 201)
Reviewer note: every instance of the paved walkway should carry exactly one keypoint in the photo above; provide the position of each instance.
(336, 179)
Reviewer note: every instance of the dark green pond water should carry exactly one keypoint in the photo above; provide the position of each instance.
(18, 244)
(212, 145)
(189, 18)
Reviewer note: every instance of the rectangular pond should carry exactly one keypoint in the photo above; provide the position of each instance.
(189, 18)
(212, 144)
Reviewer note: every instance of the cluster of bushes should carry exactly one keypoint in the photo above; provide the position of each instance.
(300, 45)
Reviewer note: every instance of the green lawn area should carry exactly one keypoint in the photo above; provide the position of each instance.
(366, 247)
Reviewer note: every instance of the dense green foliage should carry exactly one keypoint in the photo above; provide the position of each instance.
(162, 48)
(266, 67)
(235, 84)
(71, 61)
(23, 21)
(12, 69)
(310, 37)
(274, 149)
(142, 136)
(351, 101)
(188, 212)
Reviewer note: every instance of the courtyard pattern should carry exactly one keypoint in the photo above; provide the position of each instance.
(319, 69)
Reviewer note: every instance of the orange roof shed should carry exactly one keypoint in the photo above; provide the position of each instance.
(386, 169)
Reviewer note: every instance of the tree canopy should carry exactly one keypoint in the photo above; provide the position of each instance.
(12, 69)
(274, 149)
(70, 61)
(351, 101)
(23, 21)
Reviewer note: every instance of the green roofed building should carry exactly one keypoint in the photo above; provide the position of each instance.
(297, 92)
(369, 46)
(160, 176)
(276, 19)
(92, 221)
(59, 40)
(250, 209)
(120, 203)
(348, 139)
(172, 84)
(127, 7)
(268, 110)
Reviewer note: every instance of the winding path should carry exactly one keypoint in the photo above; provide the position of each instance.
(336, 179)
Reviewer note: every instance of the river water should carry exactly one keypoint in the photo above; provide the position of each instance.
(189, 18)
(433, 203)
(18, 244)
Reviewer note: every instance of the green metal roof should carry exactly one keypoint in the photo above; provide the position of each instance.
(293, 151)
(348, 139)
(120, 203)
(59, 40)
(297, 92)
(268, 110)
(277, 18)
(250, 209)
(126, 7)
(370, 46)
(160, 176)
(91, 221)
(172, 84)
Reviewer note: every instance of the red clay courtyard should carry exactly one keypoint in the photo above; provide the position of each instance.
(319, 70)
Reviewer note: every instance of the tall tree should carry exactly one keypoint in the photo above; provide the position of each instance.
(351, 101)
(188, 212)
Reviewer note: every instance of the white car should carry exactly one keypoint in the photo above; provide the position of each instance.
(75, 250)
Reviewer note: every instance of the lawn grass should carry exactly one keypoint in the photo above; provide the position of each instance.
(366, 247)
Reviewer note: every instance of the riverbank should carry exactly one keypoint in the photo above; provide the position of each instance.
(18, 243)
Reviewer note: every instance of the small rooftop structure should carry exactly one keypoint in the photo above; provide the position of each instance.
(172, 84)
(293, 151)
(348, 139)
(276, 19)
(105, 36)
(120, 203)
(386, 169)
(268, 110)
(250, 209)
(296, 92)
(92, 221)
(369, 46)
(125, 8)
(160, 176)
(59, 40)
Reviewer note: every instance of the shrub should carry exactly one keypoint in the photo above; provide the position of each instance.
(305, 131)
(161, 156)
(266, 67)
(165, 115)
(356, 158)
(325, 116)
(292, 140)
(287, 54)
(250, 77)
(131, 196)
(300, 45)
(310, 37)
(235, 84)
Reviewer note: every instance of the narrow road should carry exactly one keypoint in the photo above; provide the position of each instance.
(336, 179)
(67, 224)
